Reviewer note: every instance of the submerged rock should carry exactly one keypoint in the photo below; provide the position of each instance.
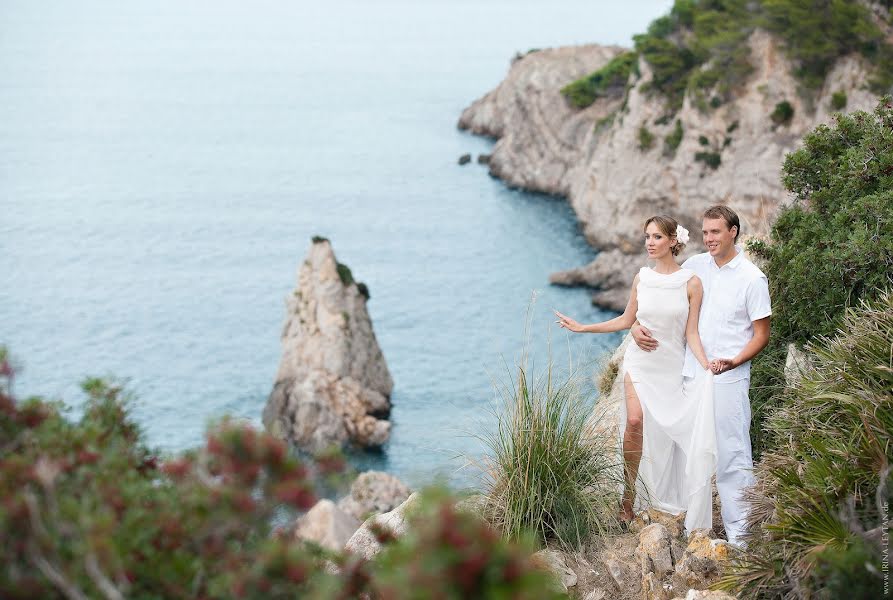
(465, 159)
(333, 385)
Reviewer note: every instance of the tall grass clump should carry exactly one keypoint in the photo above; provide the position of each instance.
(819, 508)
(548, 471)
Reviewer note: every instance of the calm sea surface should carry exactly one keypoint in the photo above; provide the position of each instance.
(163, 166)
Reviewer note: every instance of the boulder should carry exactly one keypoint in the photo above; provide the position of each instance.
(327, 525)
(554, 562)
(655, 551)
(372, 493)
(364, 541)
(701, 562)
(795, 363)
(332, 386)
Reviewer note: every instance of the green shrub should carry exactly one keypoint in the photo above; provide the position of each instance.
(783, 113)
(702, 139)
(344, 274)
(732, 127)
(701, 47)
(833, 245)
(610, 80)
(646, 139)
(815, 36)
(547, 472)
(711, 159)
(673, 139)
(318, 239)
(838, 100)
(824, 479)
(364, 290)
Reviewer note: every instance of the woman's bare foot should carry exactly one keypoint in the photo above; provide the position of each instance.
(626, 511)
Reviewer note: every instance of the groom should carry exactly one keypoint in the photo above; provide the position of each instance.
(734, 327)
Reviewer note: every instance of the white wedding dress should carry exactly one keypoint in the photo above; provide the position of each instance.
(679, 439)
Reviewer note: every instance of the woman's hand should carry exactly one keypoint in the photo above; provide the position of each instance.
(568, 323)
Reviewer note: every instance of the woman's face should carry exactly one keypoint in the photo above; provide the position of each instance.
(657, 243)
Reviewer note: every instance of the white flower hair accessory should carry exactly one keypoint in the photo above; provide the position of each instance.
(681, 234)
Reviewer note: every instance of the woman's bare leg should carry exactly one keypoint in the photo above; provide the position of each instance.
(632, 448)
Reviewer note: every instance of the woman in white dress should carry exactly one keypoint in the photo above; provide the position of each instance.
(669, 442)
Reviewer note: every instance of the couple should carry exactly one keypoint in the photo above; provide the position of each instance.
(686, 377)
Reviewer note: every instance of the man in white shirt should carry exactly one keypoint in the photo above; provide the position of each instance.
(734, 327)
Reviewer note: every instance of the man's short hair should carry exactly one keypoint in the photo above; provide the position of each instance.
(724, 212)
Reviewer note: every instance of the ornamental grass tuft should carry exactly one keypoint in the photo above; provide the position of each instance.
(548, 471)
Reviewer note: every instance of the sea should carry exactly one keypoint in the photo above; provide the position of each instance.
(164, 165)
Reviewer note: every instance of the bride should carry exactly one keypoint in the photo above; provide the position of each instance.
(669, 442)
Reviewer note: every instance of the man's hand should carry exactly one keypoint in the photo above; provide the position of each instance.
(642, 337)
(721, 365)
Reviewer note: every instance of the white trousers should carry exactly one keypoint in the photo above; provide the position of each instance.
(734, 459)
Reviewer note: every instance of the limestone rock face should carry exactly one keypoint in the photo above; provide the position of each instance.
(327, 525)
(333, 385)
(373, 493)
(544, 144)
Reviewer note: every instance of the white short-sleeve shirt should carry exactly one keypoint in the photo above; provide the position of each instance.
(735, 295)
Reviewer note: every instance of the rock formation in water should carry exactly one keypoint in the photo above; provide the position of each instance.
(600, 159)
(333, 385)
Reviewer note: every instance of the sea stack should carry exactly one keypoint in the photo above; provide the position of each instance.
(333, 386)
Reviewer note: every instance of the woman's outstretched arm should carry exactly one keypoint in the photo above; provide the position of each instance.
(624, 321)
(692, 336)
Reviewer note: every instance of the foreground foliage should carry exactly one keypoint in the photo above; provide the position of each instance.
(89, 511)
(820, 507)
(833, 246)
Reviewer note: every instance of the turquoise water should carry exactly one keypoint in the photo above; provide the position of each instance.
(164, 165)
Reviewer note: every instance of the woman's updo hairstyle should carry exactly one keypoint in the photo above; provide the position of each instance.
(667, 226)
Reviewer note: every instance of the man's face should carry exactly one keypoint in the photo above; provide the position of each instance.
(718, 237)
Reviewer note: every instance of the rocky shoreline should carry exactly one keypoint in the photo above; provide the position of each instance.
(594, 156)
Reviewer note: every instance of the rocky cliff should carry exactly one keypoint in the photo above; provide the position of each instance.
(333, 385)
(615, 176)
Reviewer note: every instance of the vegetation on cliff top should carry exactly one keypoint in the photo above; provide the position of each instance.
(700, 48)
(609, 80)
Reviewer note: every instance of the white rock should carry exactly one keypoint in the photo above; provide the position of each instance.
(655, 552)
(327, 525)
(374, 492)
(554, 562)
(333, 385)
(365, 544)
